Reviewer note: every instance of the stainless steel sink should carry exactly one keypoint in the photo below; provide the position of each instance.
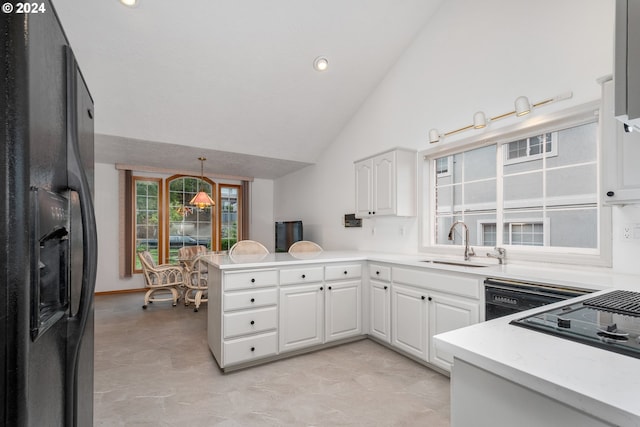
(457, 263)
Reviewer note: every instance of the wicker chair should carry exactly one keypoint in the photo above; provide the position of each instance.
(161, 280)
(196, 282)
(304, 246)
(248, 247)
(187, 254)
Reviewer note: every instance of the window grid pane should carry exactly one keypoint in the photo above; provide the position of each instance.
(146, 219)
(228, 216)
(188, 225)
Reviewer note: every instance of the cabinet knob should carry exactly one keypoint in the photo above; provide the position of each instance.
(423, 297)
(253, 280)
(329, 288)
(430, 299)
(378, 273)
(304, 275)
(345, 272)
(385, 287)
(369, 213)
(253, 300)
(374, 212)
(252, 322)
(253, 349)
(321, 288)
(611, 193)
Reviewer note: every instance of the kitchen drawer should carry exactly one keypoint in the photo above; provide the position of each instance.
(250, 321)
(380, 272)
(451, 283)
(301, 275)
(252, 347)
(343, 271)
(250, 299)
(250, 279)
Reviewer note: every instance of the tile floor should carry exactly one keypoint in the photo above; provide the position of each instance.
(153, 368)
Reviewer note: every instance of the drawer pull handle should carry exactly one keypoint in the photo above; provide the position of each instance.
(345, 272)
(252, 322)
(303, 276)
(253, 300)
(253, 280)
(385, 287)
(253, 349)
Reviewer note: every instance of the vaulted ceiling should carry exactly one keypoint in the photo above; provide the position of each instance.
(233, 79)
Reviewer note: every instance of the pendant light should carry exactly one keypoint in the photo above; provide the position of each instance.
(202, 200)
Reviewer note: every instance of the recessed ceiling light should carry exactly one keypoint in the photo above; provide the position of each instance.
(129, 3)
(320, 63)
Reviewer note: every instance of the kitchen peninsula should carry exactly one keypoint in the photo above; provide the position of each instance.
(267, 307)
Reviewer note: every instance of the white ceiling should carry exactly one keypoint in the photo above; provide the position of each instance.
(233, 76)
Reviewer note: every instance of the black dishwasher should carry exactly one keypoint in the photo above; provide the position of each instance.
(503, 297)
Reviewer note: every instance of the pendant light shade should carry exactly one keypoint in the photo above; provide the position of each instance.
(202, 199)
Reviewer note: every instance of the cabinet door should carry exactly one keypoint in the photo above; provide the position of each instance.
(364, 185)
(379, 310)
(447, 313)
(620, 152)
(409, 320)
(384, 184)
(301, 316)
(343, 315)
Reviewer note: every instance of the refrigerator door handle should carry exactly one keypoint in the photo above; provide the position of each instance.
(77, 181)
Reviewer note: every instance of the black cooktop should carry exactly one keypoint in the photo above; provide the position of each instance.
(609, 321)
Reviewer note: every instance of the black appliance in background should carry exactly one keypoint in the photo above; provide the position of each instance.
(504, 297)
(287, 233)
(47, 226)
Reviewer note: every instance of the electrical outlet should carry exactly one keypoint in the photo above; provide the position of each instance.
(626, 231)
(631, 231)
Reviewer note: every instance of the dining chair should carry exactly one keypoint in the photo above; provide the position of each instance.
(196, 283)
(161, 279)
(304, 246)
(248, 247)
(187, 254)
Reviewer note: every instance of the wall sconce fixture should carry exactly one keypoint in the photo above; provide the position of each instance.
(480, 121)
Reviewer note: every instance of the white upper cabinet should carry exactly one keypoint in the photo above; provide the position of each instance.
(386, 184)
(620, 155)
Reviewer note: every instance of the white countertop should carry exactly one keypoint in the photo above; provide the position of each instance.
(599, 382)
(561, 275)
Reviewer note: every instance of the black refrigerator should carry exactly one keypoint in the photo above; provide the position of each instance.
(47, 230)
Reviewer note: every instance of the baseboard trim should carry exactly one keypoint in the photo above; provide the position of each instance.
(121, 291)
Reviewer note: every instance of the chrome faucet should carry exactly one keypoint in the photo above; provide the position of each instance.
(468, 251)
(499, 253)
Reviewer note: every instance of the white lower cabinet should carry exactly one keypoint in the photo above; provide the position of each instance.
(380, 310)
(425, 303)
(258, 313)
(301, 316)
(343, 313)
(409, 310)
(324, 311)
(243, 315)
(447, 313)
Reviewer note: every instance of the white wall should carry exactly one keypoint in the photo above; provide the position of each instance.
(106, 206)
(473, 55)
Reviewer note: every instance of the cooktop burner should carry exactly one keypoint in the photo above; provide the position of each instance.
(609, 321)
